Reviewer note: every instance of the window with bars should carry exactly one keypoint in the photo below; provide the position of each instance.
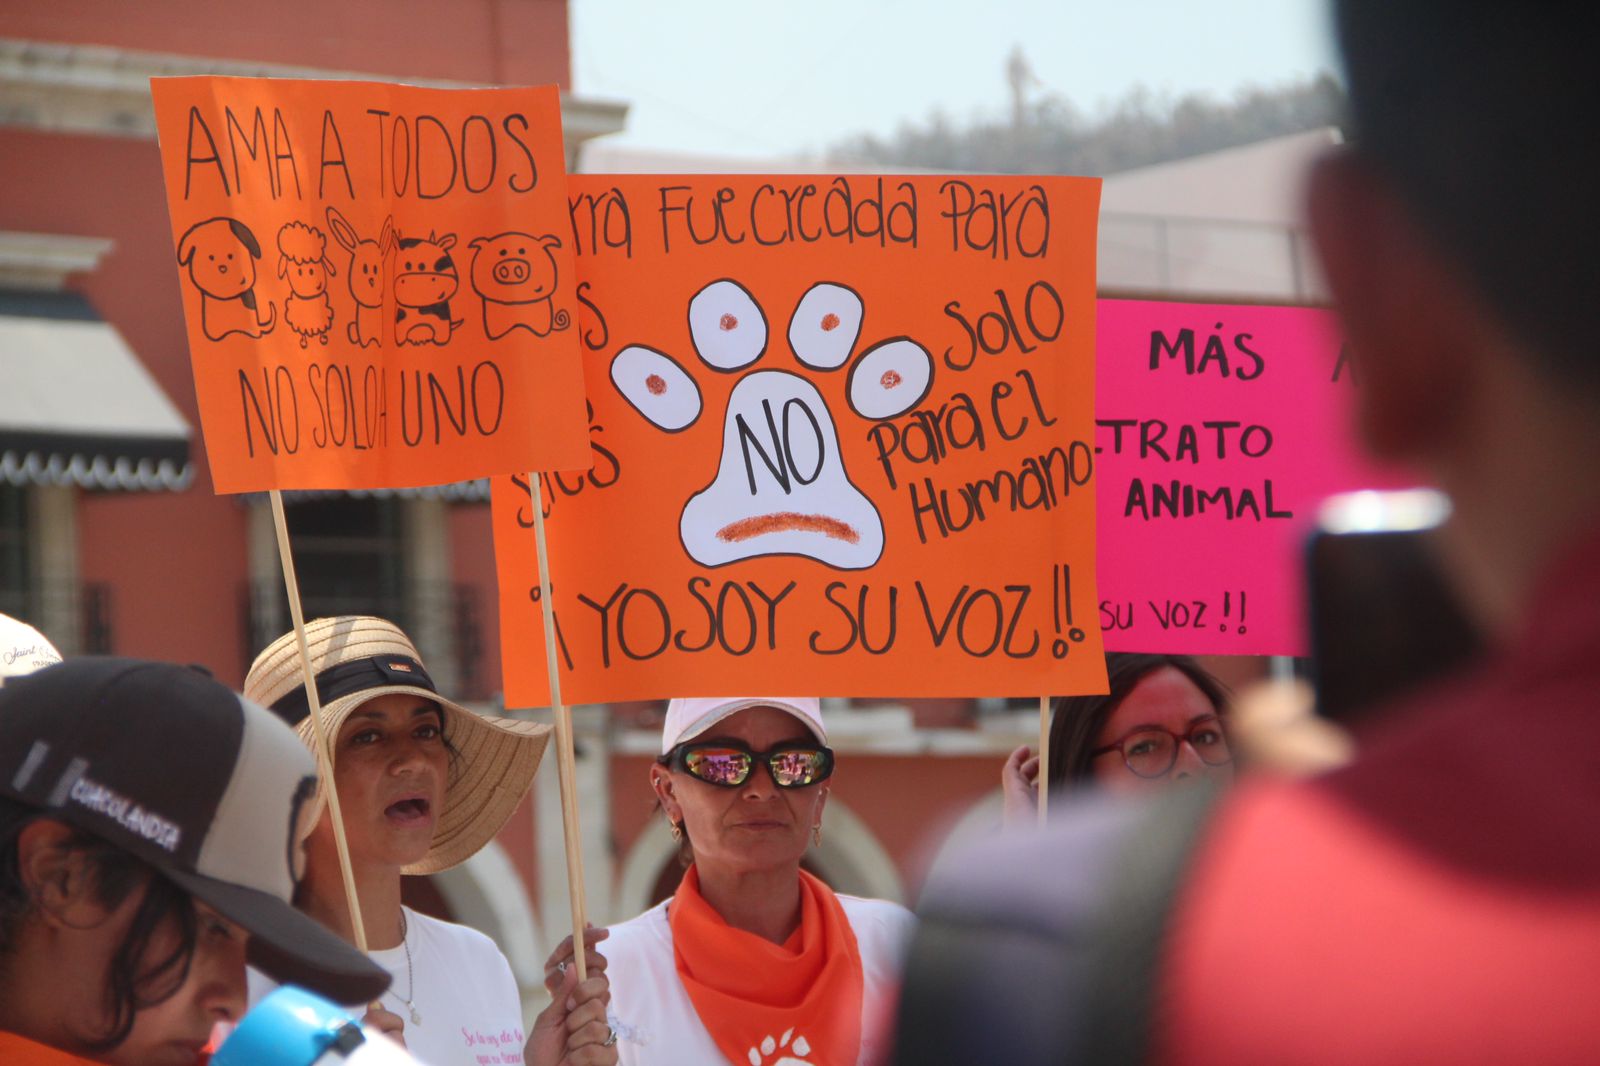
(17, 593)
(351, 557)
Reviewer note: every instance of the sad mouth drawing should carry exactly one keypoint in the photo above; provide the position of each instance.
(781, 487)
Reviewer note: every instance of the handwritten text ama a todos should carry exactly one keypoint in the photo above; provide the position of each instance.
(401, 155)
(1155, 440)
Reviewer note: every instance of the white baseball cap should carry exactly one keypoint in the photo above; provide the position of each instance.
(688, 718)
(23, 649)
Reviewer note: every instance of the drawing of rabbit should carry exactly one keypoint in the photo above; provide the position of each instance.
(365, 277)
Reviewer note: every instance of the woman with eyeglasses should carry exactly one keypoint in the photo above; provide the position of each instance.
(753, 960)
(1161, 724)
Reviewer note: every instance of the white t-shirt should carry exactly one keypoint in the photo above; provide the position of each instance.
(464, 993)
(655, 1020)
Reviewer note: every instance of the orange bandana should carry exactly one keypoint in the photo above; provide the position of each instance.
(20, 1051)
(761, 1001)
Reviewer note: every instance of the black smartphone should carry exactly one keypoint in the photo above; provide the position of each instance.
(1384, 619)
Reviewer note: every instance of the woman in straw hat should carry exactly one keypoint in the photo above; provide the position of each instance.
(753, 959)
(422, 783)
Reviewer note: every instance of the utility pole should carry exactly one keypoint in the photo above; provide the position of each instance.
(1020, 76)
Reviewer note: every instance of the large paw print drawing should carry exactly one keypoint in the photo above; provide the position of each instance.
(781, 487)
(761, 1055)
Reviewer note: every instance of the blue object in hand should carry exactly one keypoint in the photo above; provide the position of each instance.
(291, 1027)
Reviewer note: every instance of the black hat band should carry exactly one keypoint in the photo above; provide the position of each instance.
(358, 675)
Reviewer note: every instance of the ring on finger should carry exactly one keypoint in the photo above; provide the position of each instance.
(561, 967)
(611, 1037)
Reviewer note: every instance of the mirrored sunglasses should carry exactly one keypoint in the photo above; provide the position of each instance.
(729, 766)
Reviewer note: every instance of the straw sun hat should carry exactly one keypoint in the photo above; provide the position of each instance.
(357, 659)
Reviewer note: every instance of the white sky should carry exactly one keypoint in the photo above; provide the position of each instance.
(763, 77)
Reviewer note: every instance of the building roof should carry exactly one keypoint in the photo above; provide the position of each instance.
(78, 406)
(1223, 226)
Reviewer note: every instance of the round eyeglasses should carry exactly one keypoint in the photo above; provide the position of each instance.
(1151, 751)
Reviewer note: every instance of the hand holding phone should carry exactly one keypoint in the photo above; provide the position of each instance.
(1384, 620)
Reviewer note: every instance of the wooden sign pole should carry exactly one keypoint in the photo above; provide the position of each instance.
(324, 744)
(566, 760)
(1043, 780)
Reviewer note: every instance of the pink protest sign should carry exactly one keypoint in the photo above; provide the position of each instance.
(1219, 430)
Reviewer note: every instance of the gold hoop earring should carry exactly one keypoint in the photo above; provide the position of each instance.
(676, 829)
(816, 834)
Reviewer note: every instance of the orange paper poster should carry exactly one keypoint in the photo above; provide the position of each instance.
(377, 279)
(842, 432)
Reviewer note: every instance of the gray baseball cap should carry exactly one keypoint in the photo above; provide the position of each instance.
(205, 786)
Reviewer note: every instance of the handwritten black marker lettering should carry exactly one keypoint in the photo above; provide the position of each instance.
(990, 222)
(594, 332)
(660, 616)
(487, 146)
(604, 611)
(601, 223)
(1022, 592)
(1213, 354)
(256, 145)
(269, 405)
(1040, 482)
(748, 616)
(1179, 499)
(815, 641)
(696, 583)
(924, 436)
(772, 603)
(334, 158)
(530, 181)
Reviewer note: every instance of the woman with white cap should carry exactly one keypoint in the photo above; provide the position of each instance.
(423, 783)
(23, 649)
(753, 960)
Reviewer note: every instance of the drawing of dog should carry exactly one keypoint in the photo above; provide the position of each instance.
(515, 273)
(220, 254)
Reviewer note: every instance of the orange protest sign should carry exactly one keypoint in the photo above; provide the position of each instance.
(842, 432)
(376, 278)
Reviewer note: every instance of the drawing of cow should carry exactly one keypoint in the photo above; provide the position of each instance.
(424, 280)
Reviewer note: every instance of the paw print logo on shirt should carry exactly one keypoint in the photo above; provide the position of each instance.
(794, 1054)
(781, 487)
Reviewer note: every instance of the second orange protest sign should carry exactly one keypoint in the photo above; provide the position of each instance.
(377, 280)
(842, 443)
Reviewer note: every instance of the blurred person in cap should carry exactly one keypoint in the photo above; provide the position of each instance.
(753, 959)
(1438, 900)
(23, 649)
(423, 783)
(149, 846)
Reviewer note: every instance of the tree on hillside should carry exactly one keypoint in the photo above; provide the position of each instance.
(1050, 135)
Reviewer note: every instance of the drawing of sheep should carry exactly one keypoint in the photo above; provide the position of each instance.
(303, 260)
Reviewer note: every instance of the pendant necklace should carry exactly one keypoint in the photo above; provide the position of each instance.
(411, 980)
